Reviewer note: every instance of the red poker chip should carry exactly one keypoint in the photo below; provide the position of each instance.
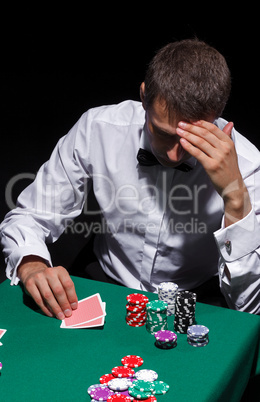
(137, 298)
(122, 371)
(136, 320)
(136, 315)
(118, 398)
(132, 361)
(139, 324)
(105, 378)
(150, 399)
(134, 308)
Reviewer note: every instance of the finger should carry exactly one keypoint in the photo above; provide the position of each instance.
(228, 128)
(197, 135)
(50, 292)
(204, 127)
(34, 292)
(69, 288)
(57, 299)
(205, 144)
(194, 151)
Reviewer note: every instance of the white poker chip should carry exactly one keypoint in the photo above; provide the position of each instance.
(146, 375)
(119, 384)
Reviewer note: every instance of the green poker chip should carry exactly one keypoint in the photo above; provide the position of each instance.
(144, 386)
(136, 393)
(156, 306)
(160, 388)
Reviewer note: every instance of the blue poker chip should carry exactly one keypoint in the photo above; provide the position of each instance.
(197, 331)
(198, 344)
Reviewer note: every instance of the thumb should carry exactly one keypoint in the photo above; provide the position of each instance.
(228, 128)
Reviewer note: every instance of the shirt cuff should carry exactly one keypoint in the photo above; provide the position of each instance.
(16, 257)
(239, 239)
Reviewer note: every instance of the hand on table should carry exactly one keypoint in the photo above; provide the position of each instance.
(216, 152)
(51, 288)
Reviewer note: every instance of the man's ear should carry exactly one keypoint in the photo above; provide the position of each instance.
(142, 92)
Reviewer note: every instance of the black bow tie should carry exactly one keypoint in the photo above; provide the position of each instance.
(146, 158)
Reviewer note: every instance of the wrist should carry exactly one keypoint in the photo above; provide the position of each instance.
(237, 206)
(30, 261)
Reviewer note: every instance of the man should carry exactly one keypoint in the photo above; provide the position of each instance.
(185, 212)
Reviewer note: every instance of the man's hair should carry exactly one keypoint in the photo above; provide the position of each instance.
(191, 77)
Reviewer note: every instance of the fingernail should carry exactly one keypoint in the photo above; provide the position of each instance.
(60, 316)
(182, 124)
(74, 305)
(67, 312)
(179, 130)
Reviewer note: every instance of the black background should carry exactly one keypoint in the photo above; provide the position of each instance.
(54, 66)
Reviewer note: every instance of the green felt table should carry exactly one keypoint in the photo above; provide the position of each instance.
(42, 362)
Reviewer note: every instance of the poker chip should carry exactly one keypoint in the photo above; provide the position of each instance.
(185, 304)
(92, 387)
(198, 344)
(197, 335)
(135, 315)
(122, 371)
(160, 387)
(137, 298)
(156, 316)
(143, 385)
(165, 339)
(136, 393)
(104, 379)
(151, 398)
(122, 386)
(101, 393)
(198, 331)
(136, 309)
(1, 366)
(136, 318)
(133, 324)
(132, 361)
(146, 375)
(119, 384)
(118, 398)
(156, 306)
(167, 292)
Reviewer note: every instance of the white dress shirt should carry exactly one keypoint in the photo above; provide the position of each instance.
(158, 224)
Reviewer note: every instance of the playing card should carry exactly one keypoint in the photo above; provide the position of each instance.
(90, 312)
(98, 322)
(2, 332)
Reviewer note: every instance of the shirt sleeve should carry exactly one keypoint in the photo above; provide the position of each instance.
(239, 248)
(45, 207)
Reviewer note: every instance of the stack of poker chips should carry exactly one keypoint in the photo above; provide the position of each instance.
(197, 335)
(156, 316)
(136, 309)
(185, 305)
(165, 339)
(167, 292)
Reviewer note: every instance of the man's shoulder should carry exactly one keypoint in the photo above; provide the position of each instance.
(122, 114)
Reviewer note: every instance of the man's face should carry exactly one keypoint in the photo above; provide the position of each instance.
(164, 141)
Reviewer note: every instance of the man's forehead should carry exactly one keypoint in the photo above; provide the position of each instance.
(160, 116)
